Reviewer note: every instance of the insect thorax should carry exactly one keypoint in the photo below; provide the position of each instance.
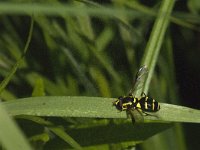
(124, 103)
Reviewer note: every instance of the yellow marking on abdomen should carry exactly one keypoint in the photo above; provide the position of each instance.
(138, 105)
(146, 105)
(153, 106)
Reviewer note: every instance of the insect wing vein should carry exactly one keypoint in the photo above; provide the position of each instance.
(139, 82)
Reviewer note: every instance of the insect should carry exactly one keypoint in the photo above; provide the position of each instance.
(143, 104)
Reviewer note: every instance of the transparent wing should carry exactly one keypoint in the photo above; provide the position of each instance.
(139, 81)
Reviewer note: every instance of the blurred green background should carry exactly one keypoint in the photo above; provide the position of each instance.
(98, 55)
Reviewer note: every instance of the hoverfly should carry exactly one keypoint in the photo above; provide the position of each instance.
(132, 103)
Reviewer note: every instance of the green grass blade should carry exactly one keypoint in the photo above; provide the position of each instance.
(117, 133)
(10, 135)
(80, 73)
(57, 9)
(14, 69)
(60, 132)
(101, 82)
(154, 44)
(102, 131)
(175, 19)
(104, 60)
(95, 107)
(38, 88)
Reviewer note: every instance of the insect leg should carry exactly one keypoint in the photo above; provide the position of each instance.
(143, 94)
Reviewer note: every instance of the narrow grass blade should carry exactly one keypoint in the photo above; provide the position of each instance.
(10, 135)
(60, 132)
(57, 9)
(38, 88)
(117, 133)
(175, 19)
(102, 132)
(153, 46)
(14, 69)
(80, 73)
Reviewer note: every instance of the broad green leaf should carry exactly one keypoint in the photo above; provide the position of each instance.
(95, 107)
